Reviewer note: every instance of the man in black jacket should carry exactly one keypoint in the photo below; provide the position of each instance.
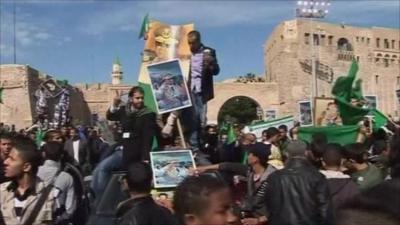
(138, 126)
(140, 208)
(298, 194)
(203, 66)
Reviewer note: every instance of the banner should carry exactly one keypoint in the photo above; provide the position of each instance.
(164, 42)
(336, 134)
(257, 129)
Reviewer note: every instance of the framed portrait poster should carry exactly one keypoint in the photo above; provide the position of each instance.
(326, 112)
(170, 167)
(168, 86)
(305, 112)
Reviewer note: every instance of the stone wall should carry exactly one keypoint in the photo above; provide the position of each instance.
(288, 51)
(20, 83)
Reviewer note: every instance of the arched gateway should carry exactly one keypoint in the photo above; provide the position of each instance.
(265, 94)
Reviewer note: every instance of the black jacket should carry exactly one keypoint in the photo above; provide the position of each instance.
(253, 202)
(142, 128)
(207, 82)
(144, 211)
(298, 195)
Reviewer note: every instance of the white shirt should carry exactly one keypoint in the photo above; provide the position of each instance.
(75, 145)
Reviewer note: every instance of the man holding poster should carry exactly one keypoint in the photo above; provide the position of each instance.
(203, 66)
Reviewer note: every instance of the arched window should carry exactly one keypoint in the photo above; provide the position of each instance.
(344, 44)
(386, 60)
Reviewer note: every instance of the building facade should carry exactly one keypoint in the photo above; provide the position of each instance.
(288, 56)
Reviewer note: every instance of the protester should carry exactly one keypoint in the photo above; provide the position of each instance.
(271, 137)
(77, 149)
(63, 182)
(203, 66)
(210, 146)
(342, 188)
(283, 141)
(376, 206)
(380, 156)
(138, 126)
(6, 144)
(364, 174)
(141, 209)
(298, 178)
(257, 172)
(203, 199)
(317, 147)
(97, 146)
(20, 196)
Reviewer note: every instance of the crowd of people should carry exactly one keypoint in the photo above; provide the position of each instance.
(275, 180)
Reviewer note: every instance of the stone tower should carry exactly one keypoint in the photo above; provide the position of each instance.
(116, 74)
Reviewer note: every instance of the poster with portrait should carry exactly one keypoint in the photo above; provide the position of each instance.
(270, 114)
(168, 86)
(326, 112)
(305, 112)
(170, 167)
(371, 101)
(51, 87)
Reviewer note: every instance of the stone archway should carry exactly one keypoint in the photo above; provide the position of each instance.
(239, 109)
(265, 94)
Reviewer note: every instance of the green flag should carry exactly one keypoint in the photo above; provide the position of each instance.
(245, 156)
(336, 134)
(1, 95)
(39, 137)
(345, 92)
(148, 96)
(145, 26)
(231, 135)
(344, 85)
(380, 119)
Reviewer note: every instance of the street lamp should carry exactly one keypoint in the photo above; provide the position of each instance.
(313, 9)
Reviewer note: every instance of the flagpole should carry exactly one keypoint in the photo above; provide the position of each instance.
(14, 25)
(312, 9)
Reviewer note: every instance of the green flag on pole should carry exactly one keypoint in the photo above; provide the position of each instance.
(346, 89)
(145, 26)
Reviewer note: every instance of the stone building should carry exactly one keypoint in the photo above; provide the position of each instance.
(288, 53)
(19, 83)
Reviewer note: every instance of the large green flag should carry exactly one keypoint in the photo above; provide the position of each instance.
(345, 92)
(336, 134)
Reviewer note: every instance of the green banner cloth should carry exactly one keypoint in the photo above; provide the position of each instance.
(336, 134)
